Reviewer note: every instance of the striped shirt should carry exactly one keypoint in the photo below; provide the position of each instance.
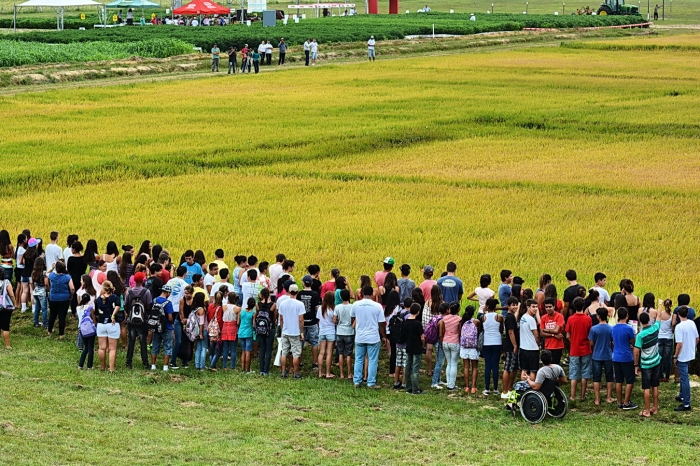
(647, 341)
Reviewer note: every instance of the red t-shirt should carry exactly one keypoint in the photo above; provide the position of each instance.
(165, 276)
(578, 326)
(213, 308)
(326, 287)
(425, 287)
(550, 323)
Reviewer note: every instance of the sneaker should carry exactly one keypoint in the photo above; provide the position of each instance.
(679, 399)
(629, 406)
(442, 383)
(436, 387)
(495, 392)
(297, 376)
(374, 387)
(505, 396)
(314, 367)
(486, 392)
(174, 366)
(397, 386)
(284, 375)
(451, 389)
(129, 366)
(682, 408)
(419, 392)
(619, 406)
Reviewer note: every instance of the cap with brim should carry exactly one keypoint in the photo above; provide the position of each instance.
(293, 288)
(167, 289)
(389, 261)
(428, 269)
(308, 279)
(139, 277)
(287, 284)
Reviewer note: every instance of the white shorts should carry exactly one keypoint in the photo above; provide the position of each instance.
(109, 330)
(469, 353)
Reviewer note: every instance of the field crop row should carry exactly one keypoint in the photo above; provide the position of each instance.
(328, 30)
(13, 53)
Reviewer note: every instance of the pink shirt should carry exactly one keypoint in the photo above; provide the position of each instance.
(379, 277)
(451, 329)
(425, 287)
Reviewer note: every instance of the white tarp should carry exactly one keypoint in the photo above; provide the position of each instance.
(58, 3)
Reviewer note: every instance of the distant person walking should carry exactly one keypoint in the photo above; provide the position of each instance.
(283, 51)
(370, 48)
(215, 58)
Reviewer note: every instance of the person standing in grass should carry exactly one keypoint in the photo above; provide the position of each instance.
(264, 320)
(326, 322)
(137, 328)
(311, 302)
(165, 336)
(7, 306)
(529, 340)
(413, 334)
(291, 314)
(40, 294)
(232, 64)
(87, 330)
(261, 51)
(450, 329)
(106, 308)
(482, 293)
(551, 328)
(370, 48)
(623, 360)
(600, 337)
(406, 285)
(647, 358)
(61, 291)
(511, 344)
(314, 52)
(440, 354)
(504, 289)
(665, 318)
(177, 291)
(492, 323)
(398, 341)
(577, 329)
(451, 286)
(603, 295)
(268, 53)
(369, 336)
(282, 46)
(686, 335)
(468, 341)
(380, 276)
(345, 333)
(307, 51)
(256, 61)
(201, 343)
(245, 333)
(215, 52)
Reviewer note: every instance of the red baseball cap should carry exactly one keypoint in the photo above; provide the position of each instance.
(139, 277)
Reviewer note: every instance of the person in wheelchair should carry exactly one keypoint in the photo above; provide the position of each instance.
(548, 376)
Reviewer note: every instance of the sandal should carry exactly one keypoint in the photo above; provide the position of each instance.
(474, 391)
(642, 414)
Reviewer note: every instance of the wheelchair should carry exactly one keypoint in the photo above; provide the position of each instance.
(535, 405)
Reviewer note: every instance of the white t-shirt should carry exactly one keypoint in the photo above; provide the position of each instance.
(686, 333)
(483, 294)
(268, 49)
(53, 254)
(368, 314)
(370, 44)
(209, 279)
(604, 296)
(244, 276)
(249, 290)
(307, 46)
(66, 254)
(178, 291)
(261, 49)
(275, 274)
(290, 310)
(19, 252)
(195, 22)
(325, 324)
(314, 47)
(527, 338)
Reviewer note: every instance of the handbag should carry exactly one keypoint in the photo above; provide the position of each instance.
(6, 303)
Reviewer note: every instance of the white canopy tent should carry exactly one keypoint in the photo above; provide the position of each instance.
(58, 6)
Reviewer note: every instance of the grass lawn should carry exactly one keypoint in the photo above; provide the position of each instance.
(54, 414)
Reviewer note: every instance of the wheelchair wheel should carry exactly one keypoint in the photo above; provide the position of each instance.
(559, 404)
(533, 406)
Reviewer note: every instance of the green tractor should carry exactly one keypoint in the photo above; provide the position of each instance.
(617, 7)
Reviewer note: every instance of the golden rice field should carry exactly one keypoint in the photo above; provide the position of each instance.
(538, 160)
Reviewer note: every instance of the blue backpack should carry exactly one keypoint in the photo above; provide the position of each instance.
(87, 326)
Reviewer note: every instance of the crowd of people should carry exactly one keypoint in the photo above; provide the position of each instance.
(192, 310)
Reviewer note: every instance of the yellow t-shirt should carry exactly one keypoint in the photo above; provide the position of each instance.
(201, 290)
(222, 265)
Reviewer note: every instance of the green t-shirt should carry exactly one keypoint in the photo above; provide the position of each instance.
(647, 341)
(215, 52)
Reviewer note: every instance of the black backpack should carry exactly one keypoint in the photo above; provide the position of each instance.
(263, 323)
(157, 320)
(396, 328)
(137, 313)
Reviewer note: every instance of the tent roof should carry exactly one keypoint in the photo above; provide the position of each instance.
(201, 7)
(133, 4)
(58, 3)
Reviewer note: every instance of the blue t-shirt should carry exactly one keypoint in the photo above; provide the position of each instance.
(601, 336)
(622, 336)
(691, 314)
(451, 288)
(60, 290)
(504, 292)
(191, 270)
(168, 310)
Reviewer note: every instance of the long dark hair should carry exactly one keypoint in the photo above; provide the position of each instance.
(198, 300)
(86, 281)
(280, 282)
(30, 255)
(468, 315)
(649, 301)
(328, 303)
(117, 283)
(435, 300)
(145, 248)
(393, 300)
(38, 271)
(390, 281)
(417, 295)
(112, 249)
(199, 257)
(90, 254)
(5, 241)
(126, 260)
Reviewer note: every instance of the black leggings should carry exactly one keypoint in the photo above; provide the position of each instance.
(265, 343)
(5, 318)
(58, 309)
(88, 350)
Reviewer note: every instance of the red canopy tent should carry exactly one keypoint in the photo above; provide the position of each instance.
(202, 7)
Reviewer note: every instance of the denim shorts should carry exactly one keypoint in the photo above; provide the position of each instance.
(599, 367)
(346, 343)
(311, 335)
(24, 279)
(108, 330)
(246, 344)
(166, 339)
(580, 367)
(326, 337)
(650, 377)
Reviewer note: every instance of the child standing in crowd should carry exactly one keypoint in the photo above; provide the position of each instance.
(413, 329)
(623, 360)
(345, 333)
(229, 335)
(265, 320)
(326, 334)
(245, 333)
(40, 294)
(202, 340)
(482, 293)
(468, 341)
(88, 331)
(600, 336)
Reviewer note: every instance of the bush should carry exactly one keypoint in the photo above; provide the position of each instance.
(327, 30)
